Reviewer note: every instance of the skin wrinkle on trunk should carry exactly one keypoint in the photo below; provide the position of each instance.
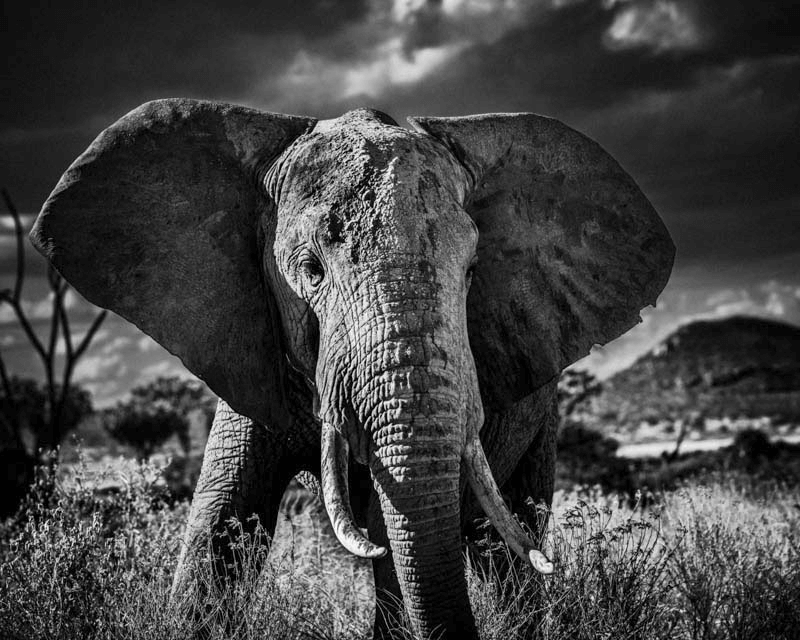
(424, 534)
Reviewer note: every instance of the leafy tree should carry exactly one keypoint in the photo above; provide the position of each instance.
(156, 411)
(181, 395)
(580, 448)
(144, 427)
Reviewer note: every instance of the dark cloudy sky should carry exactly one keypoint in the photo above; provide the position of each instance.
(698, 99)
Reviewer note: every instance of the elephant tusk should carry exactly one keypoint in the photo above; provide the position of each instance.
(483, 484)
(336, 496)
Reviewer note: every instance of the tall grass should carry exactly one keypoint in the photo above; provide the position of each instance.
(705, 562)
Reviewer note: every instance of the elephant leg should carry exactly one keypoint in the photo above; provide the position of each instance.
(533, 479)
(245, 470)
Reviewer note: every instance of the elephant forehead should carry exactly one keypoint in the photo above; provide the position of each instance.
(358, 154)
(360, 178)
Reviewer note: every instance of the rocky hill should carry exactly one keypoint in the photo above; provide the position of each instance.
(706, 372)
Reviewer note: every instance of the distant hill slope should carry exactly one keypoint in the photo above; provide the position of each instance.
(737, 367)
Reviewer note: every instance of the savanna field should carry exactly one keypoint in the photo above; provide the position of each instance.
(715, 556)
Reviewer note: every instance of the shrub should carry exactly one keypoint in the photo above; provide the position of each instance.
(737, 573)
(77, 563)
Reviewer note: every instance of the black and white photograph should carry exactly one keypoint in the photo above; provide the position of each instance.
(400, 319)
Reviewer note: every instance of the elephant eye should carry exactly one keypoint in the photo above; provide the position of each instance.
(312, 269)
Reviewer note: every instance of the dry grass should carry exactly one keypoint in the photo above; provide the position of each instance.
(707, 562)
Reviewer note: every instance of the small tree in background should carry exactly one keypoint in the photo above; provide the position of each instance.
(183, 396)
(144, 427)
(57, 392)
(24, 404)
(574, 387)
(158, 410)
(52, 406)
(583, 452)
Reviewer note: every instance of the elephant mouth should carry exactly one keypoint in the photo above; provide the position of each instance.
(334, 463)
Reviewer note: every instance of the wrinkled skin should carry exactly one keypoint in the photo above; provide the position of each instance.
(319, 276)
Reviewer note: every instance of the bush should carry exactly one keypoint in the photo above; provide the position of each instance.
(737, 573)
(610, 580)
(77, 563)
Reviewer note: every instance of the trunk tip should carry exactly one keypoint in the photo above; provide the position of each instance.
(540, 562)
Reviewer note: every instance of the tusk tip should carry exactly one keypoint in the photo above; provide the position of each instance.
(540, 562)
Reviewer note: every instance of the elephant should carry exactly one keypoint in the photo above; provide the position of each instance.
(365, 299)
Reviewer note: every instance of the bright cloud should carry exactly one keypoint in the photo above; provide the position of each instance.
(32, 310)
(769, 299)
(115, 345)
(661, 25)
(389, 66)
(402, 45)
(77, 338)
(392, 67)
(7, 224)
(96, 366)
(39, 309)
(146, 343)
(105, 393)
(161, 368)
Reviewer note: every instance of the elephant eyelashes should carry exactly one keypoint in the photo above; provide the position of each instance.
(312, 270)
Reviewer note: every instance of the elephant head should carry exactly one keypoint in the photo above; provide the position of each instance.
(411, 276)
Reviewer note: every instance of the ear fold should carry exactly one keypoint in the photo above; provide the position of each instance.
(157, 221)
(570, 249)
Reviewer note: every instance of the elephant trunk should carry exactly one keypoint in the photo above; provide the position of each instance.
(408, 399)
(415, 465)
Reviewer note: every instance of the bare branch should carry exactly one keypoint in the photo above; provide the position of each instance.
(54, 323)
(90, 334)
(28, 329)
(66, 331)
(20, 245)
(53, 277)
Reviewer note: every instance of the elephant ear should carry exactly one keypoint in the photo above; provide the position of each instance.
(157, 222)
(570, 250)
